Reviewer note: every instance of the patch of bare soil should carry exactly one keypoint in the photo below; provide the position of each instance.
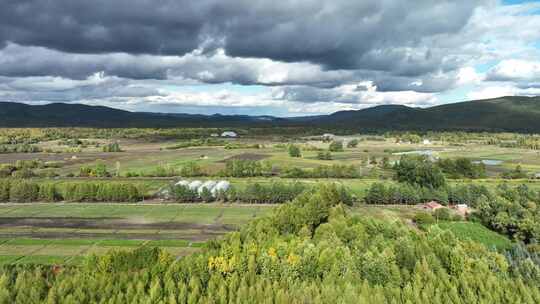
(104, 223)
(246, 156)
(69, 158)
(199, 237)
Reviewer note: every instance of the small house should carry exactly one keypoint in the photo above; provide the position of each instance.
(537, 175)
(462, 209)
(229, 134)
(426, 142)
(328, 136)
(432, 206)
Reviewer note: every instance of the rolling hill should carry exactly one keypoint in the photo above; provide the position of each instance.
(78, 115)
(521, 114)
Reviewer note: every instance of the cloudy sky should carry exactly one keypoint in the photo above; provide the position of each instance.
(283, 58)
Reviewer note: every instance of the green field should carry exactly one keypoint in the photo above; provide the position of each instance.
(63, 233)
(478, 233)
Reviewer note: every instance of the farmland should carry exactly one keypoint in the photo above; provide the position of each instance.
(63, 233)
(91, 203)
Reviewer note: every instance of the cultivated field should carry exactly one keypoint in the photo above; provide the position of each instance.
(63, 233)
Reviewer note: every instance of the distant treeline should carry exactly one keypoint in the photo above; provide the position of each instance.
(24, 191)
(255, 193)
(410, 194)
(19, 148)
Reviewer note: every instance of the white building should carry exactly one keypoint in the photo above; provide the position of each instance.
(328, 136)
(214, 187)
(426, 142)
(229, 134)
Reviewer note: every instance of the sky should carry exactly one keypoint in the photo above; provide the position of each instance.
(281, 58)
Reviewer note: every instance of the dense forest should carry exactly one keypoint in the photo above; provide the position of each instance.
(308, 251)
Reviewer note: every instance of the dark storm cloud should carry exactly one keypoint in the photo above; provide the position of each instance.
(19, 61)
(23, 61)
(312, 51)
(337, 34)
(64, 90)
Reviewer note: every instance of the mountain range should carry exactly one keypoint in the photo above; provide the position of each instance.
(515, 113)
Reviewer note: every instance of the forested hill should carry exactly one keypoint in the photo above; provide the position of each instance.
(501, 114)
(78, 115)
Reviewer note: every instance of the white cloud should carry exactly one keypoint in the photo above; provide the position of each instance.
(502, 90)
(468, 75)
(515, 70)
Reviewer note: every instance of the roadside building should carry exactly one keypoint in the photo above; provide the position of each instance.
(229, 134)
(462, 209)
(432, 206)
(328, 136)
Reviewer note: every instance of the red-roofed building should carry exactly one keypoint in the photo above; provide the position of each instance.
(432, 206)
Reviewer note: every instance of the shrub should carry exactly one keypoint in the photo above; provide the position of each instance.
(4, 190)
(48, 173)
(48, 193)
(206, 195)
(29, 164)
(183, 194)
(333, 171)
(517, 173)
(99, 170)
(191, 169)
(6, 170)
(442, 214)
(324, 155)
(117, 192)
(352, 143)
(246, 168)
(419, 170)
(336, 146)
(164, 171)
(462, 168)
(423, 219)
(112, 147)
(22, 191)
(377, 194)
(19, 148)
(99, 192)
(23, 173)
(294, 151)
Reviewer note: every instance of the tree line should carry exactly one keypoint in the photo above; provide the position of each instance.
(253, 193)
(25, 191)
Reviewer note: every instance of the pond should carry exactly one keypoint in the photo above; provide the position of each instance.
(489, 162)
(418, 152)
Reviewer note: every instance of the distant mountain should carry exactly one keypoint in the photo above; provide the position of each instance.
(500, 114)
(78, 115)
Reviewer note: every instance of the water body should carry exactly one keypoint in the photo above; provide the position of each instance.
(417, 152)
(489, 162)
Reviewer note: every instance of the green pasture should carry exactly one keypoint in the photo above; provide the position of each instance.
(478, 233)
